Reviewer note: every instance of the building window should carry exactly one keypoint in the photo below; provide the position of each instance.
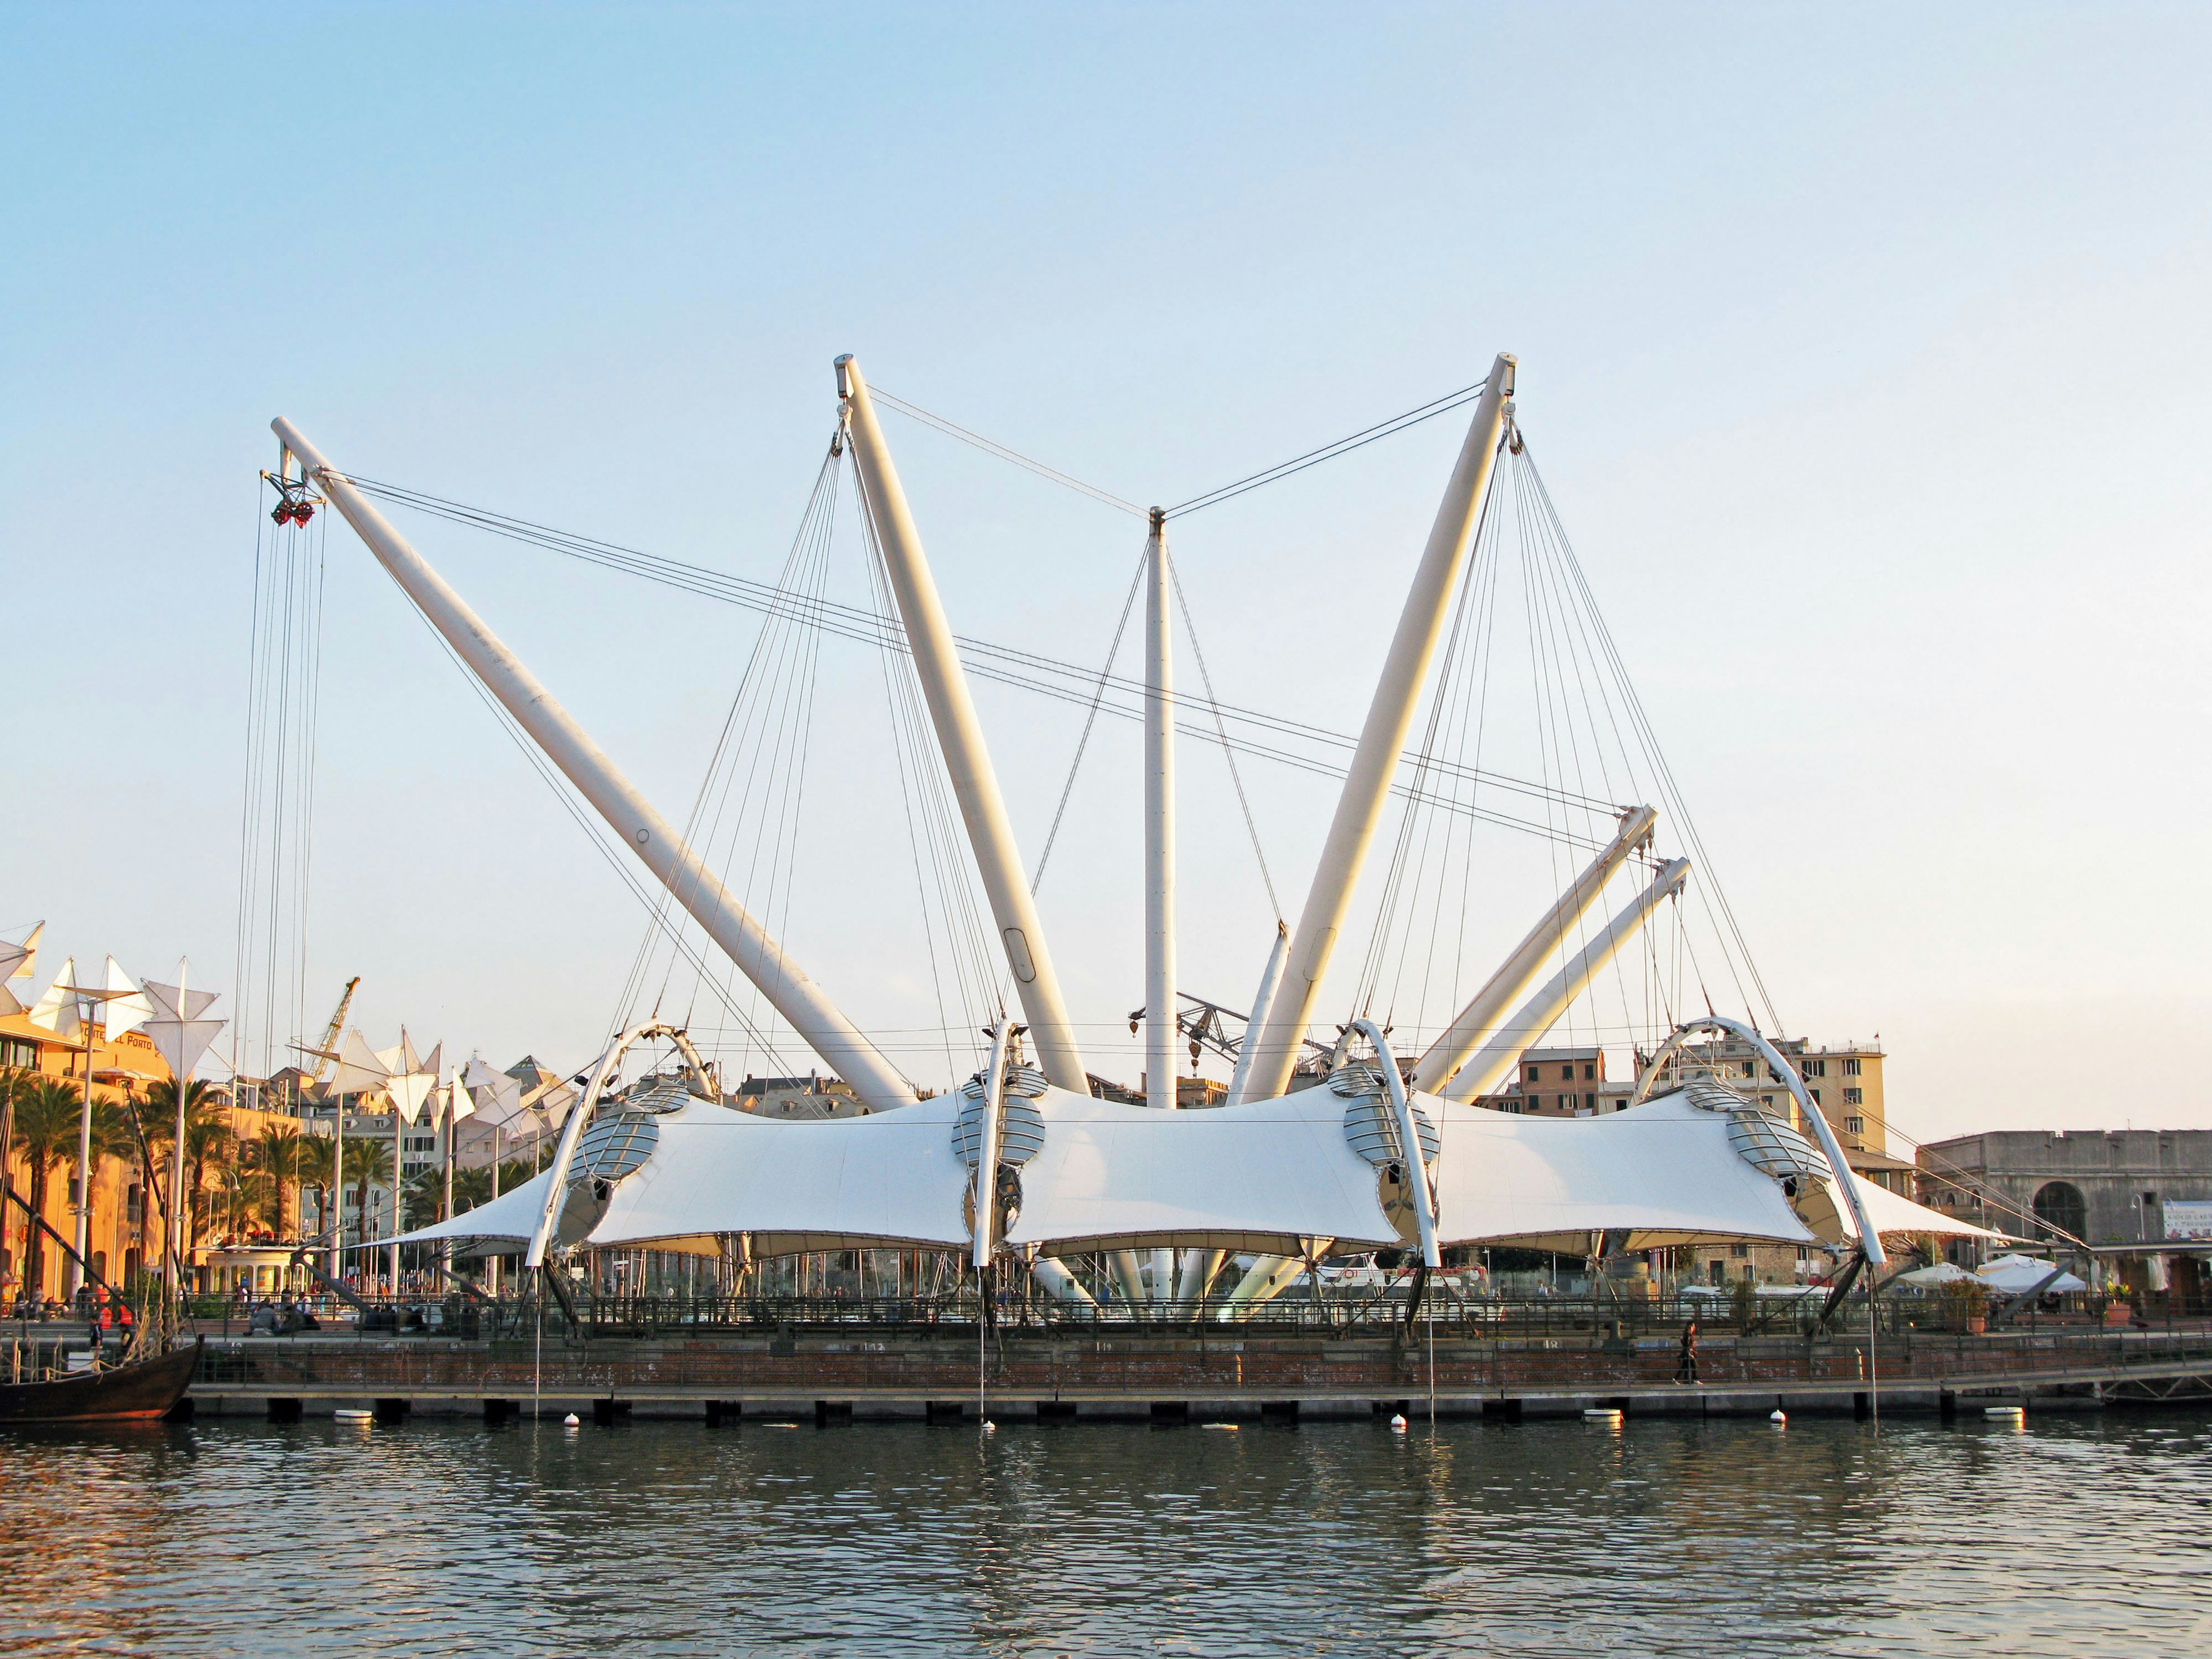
(1816, 1068)
(2059, 1206)
(1589, 1074)
(1741, 1252)
(1567, 1075)
(1854, 1097)
(1815, 1093)
(1534, 1075)
(1851, 1066)
(1854, 1126)
(1590, 1101)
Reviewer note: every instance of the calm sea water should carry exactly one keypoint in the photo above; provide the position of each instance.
(2077, 1536)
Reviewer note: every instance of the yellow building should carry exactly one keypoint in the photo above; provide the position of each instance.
(128, 1223)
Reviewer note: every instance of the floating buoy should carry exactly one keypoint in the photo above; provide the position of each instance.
(1778, 1417)
(2004, 1411)
(1603, 1414)
(355, 1416)
(1398, 1423)
(572, 1421)
(1232, 1428)
(990, 1427)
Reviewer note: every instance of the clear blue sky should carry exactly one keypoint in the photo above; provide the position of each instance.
(1867, 350)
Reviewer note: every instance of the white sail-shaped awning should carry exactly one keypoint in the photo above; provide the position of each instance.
(887, 1178)
(1897, 1218)
(1274, 1176)
(1664, 1172)
(506, 1222)
(1264, 1176)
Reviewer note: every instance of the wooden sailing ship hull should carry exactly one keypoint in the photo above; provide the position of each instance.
(147, 1388)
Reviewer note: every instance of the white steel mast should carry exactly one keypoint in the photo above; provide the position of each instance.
(1484, 1072)
(1518, 971)
(1161, 1031)
(1381, 741)
(960, 738)
(802, 1003)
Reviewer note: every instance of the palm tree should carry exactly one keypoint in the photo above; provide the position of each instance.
(275, 1154)
(206, 1124)
(46, 1131)
(369, 1162)
(426, 1197)
(14, 1082)
(311, 1161)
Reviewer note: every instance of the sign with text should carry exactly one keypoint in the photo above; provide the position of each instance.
(2188, 1220)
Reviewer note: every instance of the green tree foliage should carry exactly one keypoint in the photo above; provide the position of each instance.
(45, 1125)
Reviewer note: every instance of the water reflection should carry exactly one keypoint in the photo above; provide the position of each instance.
(1650, 1538)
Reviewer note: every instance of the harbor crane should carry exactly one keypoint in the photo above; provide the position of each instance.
(327, 1047)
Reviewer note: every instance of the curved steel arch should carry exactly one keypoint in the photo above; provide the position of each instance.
(556, 1193)
(1869, 1239)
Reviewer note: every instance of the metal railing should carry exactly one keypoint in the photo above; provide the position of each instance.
(1598, 1317)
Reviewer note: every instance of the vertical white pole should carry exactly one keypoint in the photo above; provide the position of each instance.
(337, 1190)
(1161, 1031)
(399, 1164)
(446, 1211)
(984, 1235)
(492, 1263)
(1382, 739)
(179, 1201)
(75, 1266)
(818, 1021)
(960, 739)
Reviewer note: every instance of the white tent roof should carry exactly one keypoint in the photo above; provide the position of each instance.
(1266, 1176)
(1664, 1172)
(512, 1215)
(1257, 1177)
(885, 1178)
(1896, 1216)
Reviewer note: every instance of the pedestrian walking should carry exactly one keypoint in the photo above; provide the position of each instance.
(1686, 1368)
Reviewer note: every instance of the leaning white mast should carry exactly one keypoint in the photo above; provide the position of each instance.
(1381, 741)
(1480, 1018)
(960, 739)
(802, 1003)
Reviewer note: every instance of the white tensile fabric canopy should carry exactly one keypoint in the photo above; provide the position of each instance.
(838, 1183)
(1272, 1176)
(1265, 1176)
(1895, 1216)
(1663, 1172)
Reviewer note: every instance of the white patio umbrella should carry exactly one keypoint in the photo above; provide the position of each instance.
(1942, 1273)
(2011, 1274)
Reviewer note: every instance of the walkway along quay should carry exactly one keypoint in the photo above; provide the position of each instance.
(942, 1373)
